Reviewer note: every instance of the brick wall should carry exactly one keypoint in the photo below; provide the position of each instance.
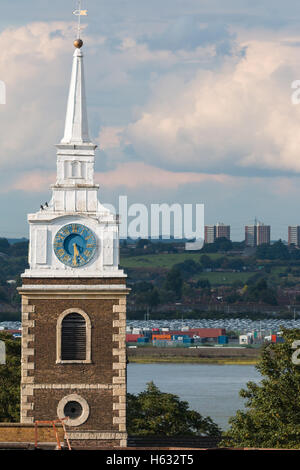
(17, 432)
(101, 382)
(100, 312)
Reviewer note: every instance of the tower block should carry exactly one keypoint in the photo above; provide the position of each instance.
(74, 297)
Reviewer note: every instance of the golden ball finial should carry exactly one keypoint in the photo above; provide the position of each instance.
(78, 43)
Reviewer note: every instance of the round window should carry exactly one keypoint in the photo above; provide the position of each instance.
(73, 410)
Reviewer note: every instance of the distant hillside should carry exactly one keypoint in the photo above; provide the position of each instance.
(12, 241)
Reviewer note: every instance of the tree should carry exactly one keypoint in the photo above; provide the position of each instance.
(4, 245)
(146, 294)
(276, 251)
(206, 261)
(272, 418)
(203, 283)
(223, 244)
(174, 282)
(261, 292)
(19, 249)
(188, 268)
(220, 244)
(10, 376)
(154, 413)
(142, 243)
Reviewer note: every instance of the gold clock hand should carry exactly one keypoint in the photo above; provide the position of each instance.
(76, 253)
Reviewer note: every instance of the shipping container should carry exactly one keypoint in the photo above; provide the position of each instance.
(179, 337)
(188, 340)
(132, 338)
(161, 337)
(136, 331)
(223, 339)
(144, 339)
(277, 339)
(147, 333)
(202, 332)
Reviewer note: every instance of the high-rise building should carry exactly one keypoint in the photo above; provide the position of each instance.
(250, 235)
(263, 234)
(74, 297)
(210, 233)
(294, 235)
(216, 231)
(257, 234)
(222, 231)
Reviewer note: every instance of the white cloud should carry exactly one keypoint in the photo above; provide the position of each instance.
(238, 117)
(31, 64)
(35, 64)
(110, 137)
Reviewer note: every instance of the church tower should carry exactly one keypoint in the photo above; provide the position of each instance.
(74, 297)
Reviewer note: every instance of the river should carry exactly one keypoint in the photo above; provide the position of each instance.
(212, 390)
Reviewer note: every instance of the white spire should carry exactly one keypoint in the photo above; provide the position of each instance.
(76, 126)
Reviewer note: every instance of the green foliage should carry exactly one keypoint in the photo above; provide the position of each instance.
(10, 376)
(146, 295)
(142, 244)
(145, 246)
(4, 245)
(189, 267)
(260, 292)
(276, 251)
(154, 413)
(233, 298)
(4, 297)
(220, 244)
(204, 284)
(206, 261)
(222, 262)
(272, 416)
(174, 282)
(19, 249)
(13, 262)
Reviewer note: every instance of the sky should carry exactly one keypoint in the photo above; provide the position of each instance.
(189, 101)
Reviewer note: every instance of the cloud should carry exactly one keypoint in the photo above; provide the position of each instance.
(30, 62)
(33, 181)
(138, 175)
(229, 120)
(129, 175)
(35, 65)
(110, 137)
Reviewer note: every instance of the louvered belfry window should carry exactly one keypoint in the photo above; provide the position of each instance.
(73, 338)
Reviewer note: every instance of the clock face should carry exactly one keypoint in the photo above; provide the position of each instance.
(74, 245)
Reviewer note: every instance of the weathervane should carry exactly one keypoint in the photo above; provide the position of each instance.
(79, 12)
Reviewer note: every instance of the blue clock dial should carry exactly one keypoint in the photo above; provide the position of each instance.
(74, 245)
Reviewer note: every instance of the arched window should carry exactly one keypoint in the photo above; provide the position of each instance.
(73, 337)
(76, 169)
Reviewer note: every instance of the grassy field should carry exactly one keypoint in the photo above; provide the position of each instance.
(218, 278)
(162, 260)
(167, 261)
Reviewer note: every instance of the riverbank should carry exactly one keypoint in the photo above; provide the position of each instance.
(209, 355)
